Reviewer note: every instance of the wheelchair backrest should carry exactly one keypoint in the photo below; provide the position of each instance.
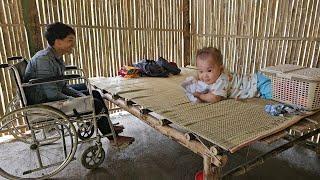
(21, 69)
(17, 72)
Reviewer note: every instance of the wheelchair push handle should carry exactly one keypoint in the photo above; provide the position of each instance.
(13, 58)
(4, 66)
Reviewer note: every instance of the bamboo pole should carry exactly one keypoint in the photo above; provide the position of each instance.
(32, 24)
(186, 33)
(261, 159)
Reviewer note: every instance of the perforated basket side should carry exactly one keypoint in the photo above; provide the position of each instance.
(296, 92)
(316, 100)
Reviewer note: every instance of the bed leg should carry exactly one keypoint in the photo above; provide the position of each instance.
(210, 172)
(318, 149)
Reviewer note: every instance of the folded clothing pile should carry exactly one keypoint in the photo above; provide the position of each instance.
(159, 68)
(129, 72)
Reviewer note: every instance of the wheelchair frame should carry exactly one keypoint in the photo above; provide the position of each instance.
(49, 126)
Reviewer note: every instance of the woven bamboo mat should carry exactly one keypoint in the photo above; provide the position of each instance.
(230, 124)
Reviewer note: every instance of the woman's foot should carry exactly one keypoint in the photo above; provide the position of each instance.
(121, 141)
(118, 129)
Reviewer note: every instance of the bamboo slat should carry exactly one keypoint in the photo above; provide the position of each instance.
(13, 41)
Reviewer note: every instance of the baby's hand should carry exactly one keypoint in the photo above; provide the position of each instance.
(196, 94)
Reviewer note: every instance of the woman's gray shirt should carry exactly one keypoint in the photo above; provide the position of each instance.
(47, 64)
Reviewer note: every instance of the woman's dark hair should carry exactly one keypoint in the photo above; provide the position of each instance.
(57, 30)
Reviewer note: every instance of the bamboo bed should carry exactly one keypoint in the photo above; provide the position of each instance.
(229, 125)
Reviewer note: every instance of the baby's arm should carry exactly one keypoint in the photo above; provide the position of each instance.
(208, 97)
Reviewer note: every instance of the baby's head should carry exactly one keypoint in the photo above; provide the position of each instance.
(209, 64)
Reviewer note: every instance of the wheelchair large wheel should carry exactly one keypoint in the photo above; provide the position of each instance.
(16, 130)
(14, 104)
(37, 156)
(23, 133)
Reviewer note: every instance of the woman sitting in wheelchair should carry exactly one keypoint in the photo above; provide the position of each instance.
(48, 63)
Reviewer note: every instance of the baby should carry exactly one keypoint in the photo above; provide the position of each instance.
(212, 84)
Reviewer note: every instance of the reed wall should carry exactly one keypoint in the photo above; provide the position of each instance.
(111, 33)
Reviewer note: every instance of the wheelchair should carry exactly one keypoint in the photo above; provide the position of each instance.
(48, 141)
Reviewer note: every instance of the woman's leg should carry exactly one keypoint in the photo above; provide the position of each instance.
(82, 87)
(103, 124)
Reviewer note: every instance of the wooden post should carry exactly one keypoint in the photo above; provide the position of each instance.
(186, 32)
(31, 21)
(210, 171)
(207, 168)
(317, 150)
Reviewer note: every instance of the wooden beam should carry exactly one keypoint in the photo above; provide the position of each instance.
(261, 159)
(32, 24)
(186, 32)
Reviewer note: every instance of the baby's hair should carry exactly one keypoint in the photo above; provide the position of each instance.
(214, 53)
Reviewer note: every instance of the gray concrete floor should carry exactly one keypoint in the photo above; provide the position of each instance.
(154, 156)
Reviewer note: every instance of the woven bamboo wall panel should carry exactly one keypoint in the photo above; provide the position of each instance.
(13, 42)
(256, 34)
(114, 33)
(110, 33)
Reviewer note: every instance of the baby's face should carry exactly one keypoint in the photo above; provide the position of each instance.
(208, 70)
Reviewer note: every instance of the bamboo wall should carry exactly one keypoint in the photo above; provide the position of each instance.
(114, 33)
(13, 41)
(110, 33)
(257, 33)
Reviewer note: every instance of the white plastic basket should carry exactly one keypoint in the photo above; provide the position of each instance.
(295, 85)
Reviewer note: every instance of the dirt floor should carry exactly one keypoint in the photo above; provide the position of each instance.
(154, 156)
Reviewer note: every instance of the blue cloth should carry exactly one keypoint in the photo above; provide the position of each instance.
(46, 64)
(282, 109)
(264, 86)
(274, 110)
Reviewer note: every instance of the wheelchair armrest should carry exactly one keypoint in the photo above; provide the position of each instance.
(71, 67)
(14, 58)
(53, 79)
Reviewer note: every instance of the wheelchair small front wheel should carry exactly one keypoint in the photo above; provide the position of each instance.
(93, 157)
(85, 130)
